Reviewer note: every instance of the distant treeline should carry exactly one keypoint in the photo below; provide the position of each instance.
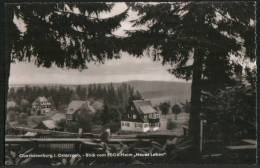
(63, 95)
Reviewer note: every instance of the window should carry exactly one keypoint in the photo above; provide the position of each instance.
(146, 125)
(69, 117)
(156, 124)
(127, 124)
(151, 116)
(145, 117)
(152, 124)
(138, 125)
(134, 116)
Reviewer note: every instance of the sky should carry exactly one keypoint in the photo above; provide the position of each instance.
(126, 68)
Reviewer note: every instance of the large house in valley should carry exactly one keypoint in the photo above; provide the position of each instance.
(141, 117)
(75, 107)
(41, 106)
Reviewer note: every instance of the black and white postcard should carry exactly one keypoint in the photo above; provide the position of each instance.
(130, 83)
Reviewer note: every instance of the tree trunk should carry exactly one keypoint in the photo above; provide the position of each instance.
(194, 124)
(4, 76)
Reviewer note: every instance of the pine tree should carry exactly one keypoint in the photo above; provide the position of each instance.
(56, 34)
(197, 42)
(176, 109)
(164, 107)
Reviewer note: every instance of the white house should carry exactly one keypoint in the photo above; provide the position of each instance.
(41, 106)
(141, 117)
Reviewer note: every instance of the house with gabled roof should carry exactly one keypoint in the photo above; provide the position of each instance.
(75, 107)
(41, 106)
(58, 117)
(141, 117)
(48, 125)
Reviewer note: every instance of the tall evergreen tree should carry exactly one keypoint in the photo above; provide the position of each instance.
(65, 34)
(197, 39)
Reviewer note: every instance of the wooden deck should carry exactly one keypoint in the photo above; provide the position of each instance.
(69, 140)
(241, 147)
(251, 145)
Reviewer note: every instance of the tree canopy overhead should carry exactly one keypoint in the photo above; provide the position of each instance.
(67, 35)
(198, 40)
(218, 31)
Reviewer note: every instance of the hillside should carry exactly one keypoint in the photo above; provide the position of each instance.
(157, 91)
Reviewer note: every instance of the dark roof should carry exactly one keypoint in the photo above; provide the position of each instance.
(58, 116)
(41, 99)
(98, 105)
(50, 124)
(75, 105)
(144, 106)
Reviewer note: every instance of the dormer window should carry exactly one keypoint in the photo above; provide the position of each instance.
(134, 116)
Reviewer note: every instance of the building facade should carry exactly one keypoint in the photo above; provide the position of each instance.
(41, 106)
(75, 107)
(141, 117)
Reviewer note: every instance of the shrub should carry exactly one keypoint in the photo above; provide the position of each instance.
(171, 125)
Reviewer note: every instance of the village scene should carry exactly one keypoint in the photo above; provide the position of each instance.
(137, 115)
(130, 83)
(92, 110)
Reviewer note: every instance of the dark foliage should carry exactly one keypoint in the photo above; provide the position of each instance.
(175, 30)
(186, 106)
(59, 96)
(164, 107)
(197, 39)
(55, 35)
(230, 114)
(176, 109)
(171, 125)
